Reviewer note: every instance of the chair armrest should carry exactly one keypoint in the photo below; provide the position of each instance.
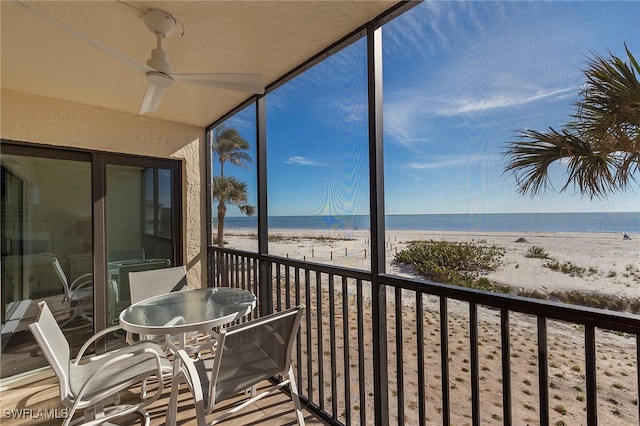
(124, 354)
(93, 339)
(82, 281)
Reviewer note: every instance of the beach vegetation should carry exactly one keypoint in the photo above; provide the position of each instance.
(534, 294)
(451, 262)
(536, 252)
(560, 409)
(462, 263)
(568, 268)
(596, 300)
(600, 146)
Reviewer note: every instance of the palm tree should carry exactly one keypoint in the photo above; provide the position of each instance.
(601, 146)
(229, 190)
(229, 146)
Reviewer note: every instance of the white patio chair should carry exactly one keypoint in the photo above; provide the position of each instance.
(87, 385)
(154, 282)
(145, 284)
(245, 355)
(76, 294)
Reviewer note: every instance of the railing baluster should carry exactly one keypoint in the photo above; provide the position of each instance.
(505, 335)
(473, 354)
(444, 356)
(237, 271)
(287, 288)
(299, 343)
(278, 288)
(256, 277)
(543, 371)
(361, 337)
(307, 295)
(320, 339)
(399, 351)
(590, 374)
(332, 340)
(346, 351)
(245, 273)
(422, 412)
(227, 270)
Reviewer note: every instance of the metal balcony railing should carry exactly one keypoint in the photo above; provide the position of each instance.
(446, 355)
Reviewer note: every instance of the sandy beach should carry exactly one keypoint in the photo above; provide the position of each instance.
(610, 265)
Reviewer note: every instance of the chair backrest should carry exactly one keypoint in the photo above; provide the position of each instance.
(149, 283)
(61, 275)
(116, 255)
(254, 351)
(125, 269)
(54, 346)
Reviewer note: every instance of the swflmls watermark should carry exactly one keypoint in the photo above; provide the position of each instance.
(33, 414)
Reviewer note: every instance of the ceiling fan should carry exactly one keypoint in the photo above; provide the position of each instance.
(158, 70)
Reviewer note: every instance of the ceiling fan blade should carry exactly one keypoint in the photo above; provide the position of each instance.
(131, 62)
(152, 98)
(251, 83)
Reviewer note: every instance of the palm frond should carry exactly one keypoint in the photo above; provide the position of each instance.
(611, 97)
(601, 146)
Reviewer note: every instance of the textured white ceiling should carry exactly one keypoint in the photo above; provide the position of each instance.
(260, 37)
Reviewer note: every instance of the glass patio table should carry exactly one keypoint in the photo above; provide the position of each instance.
(181, 312)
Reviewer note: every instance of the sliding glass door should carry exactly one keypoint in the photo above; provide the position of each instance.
(74, 224)
(46, 249)
(140, 228)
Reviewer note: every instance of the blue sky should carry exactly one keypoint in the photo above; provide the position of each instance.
(459, 79)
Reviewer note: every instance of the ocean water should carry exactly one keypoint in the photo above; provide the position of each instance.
(628, 222)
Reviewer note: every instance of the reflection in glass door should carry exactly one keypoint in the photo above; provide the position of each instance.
(139, 227)
(46, 251)
(53, 203)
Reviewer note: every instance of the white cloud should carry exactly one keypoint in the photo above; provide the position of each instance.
(506, 100)
(408, 116)
(302, 161)
(450, 161)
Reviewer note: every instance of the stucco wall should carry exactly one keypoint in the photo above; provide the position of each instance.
(30, 118)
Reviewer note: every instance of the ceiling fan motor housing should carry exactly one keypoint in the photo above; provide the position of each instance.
(160, 61)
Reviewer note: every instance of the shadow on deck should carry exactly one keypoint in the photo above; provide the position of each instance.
(34, 403)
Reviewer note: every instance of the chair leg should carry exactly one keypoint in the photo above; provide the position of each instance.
(294, 395)
(196, 392)
(75, 313)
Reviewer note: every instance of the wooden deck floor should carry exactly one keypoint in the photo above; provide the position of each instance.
(33, 401)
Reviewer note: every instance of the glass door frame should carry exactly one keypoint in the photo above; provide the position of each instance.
(100, 210)
(99, 161)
